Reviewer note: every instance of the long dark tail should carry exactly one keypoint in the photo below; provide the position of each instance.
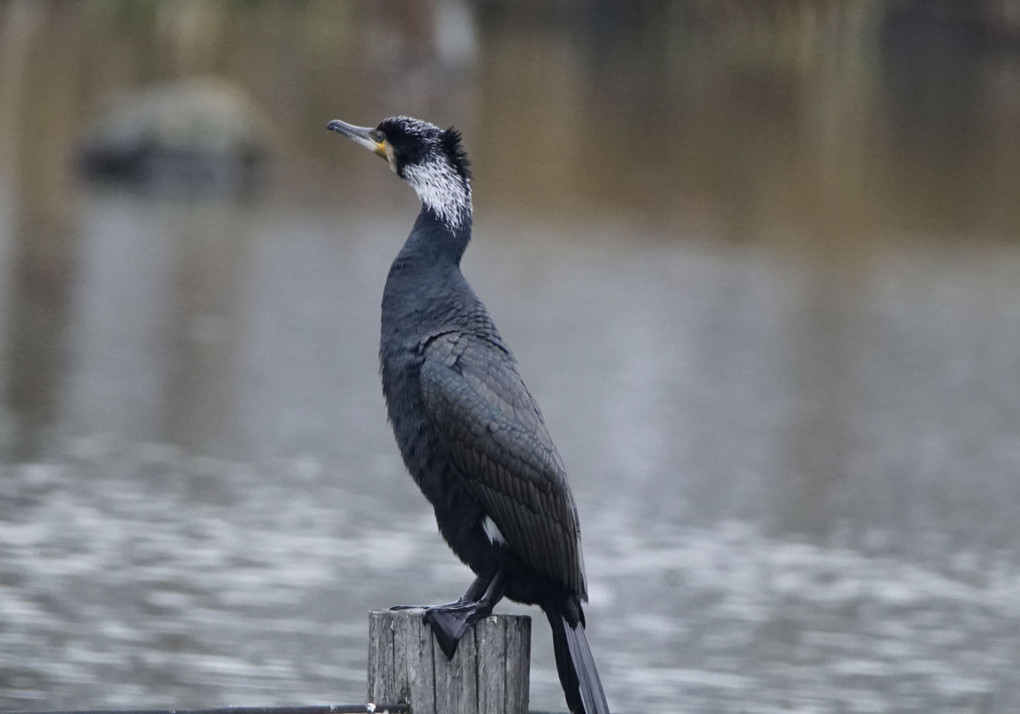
(574, 662)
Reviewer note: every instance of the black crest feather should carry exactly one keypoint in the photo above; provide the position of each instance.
(452, 147)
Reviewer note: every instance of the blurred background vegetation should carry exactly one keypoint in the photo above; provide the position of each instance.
(797, 110)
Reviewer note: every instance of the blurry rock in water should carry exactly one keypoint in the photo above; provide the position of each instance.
(203, 133)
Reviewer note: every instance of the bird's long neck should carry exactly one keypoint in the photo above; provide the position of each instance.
(433, 241)
(425, 288)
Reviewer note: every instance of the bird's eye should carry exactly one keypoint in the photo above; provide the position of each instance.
(378, 136)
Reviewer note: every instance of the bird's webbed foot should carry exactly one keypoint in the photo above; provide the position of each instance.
(451, 621)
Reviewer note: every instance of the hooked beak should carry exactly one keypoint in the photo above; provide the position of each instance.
(368, 137)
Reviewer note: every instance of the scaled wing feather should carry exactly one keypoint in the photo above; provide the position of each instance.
(492, 429)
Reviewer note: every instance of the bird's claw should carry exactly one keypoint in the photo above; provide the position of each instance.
(450, 623)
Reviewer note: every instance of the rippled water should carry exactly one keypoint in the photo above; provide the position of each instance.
(141, 576)
(765, 287)
(764, 530)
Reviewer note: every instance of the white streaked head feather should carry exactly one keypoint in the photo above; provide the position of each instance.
(440, 185)
(442, 189)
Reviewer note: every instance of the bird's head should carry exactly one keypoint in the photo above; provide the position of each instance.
(430, 159)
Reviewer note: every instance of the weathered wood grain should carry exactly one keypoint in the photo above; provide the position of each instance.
(488, 675)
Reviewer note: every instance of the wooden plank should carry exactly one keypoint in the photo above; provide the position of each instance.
(456, 679)
(518, 669)
(380, 660)
(488, 675)
(418, 662)
(491, 671)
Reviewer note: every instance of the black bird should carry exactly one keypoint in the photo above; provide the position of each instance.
(469, 431)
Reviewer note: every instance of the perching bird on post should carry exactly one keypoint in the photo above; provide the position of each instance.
(469, 431)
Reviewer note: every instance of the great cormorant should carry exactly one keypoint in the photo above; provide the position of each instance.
(469, 431)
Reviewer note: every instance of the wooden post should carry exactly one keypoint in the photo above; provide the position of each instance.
(488, 675)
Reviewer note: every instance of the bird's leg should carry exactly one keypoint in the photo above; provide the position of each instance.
(474, 592)
(450, 622)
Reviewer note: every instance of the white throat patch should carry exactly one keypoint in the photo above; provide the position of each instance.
(441, 188)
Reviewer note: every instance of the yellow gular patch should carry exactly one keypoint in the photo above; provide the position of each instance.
(385, 149)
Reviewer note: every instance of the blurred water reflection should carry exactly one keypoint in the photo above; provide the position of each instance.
(760, 270)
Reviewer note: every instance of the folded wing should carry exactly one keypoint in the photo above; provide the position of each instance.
(494, 432)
